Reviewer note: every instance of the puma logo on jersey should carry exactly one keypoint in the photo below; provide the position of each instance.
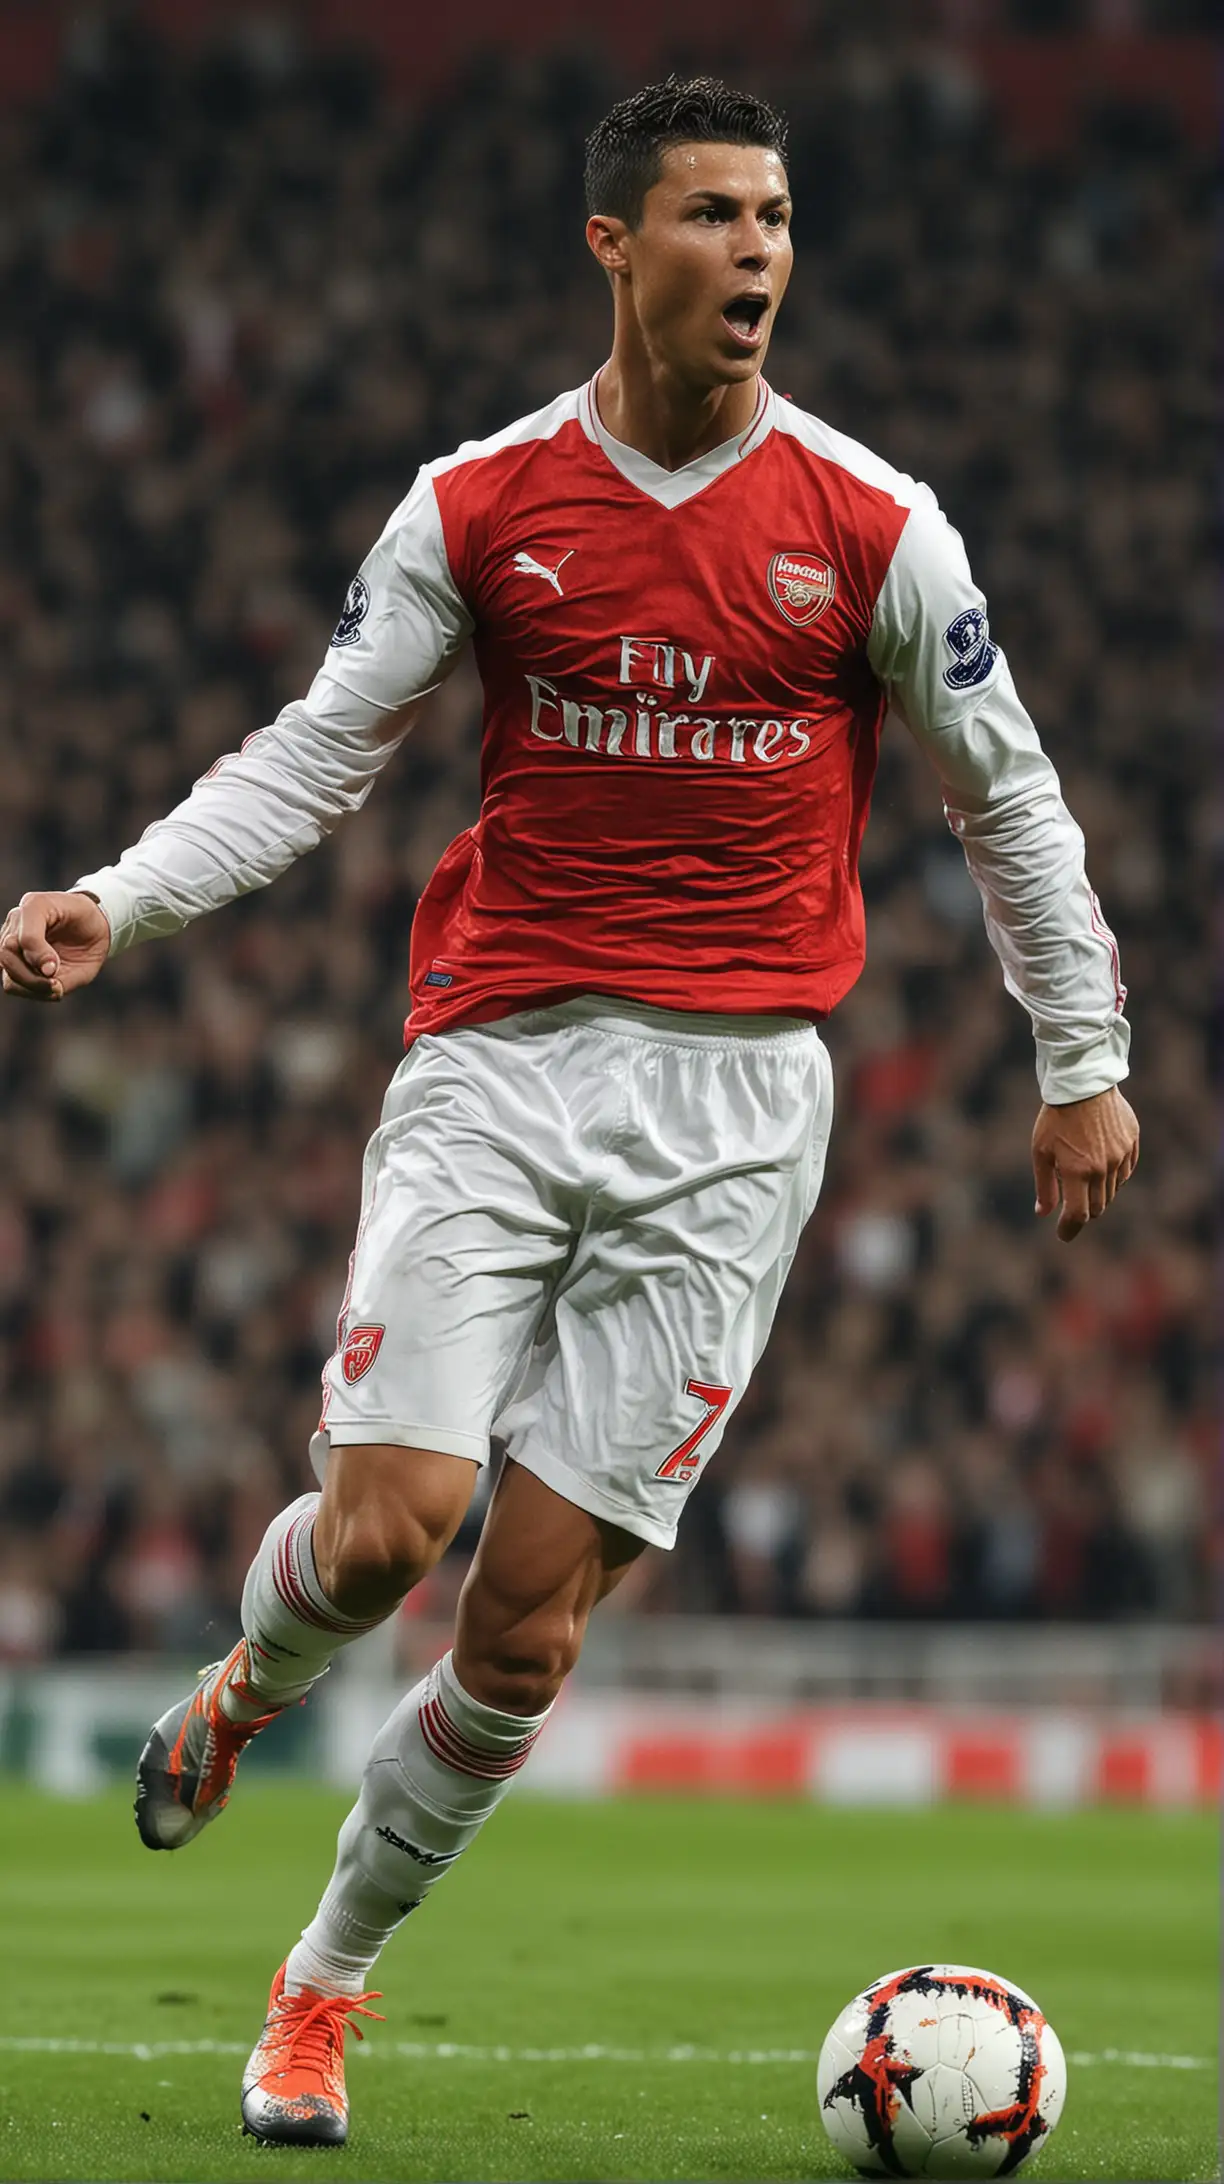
(528, 566)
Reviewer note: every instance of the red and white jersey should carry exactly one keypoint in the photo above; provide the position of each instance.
(685, 677)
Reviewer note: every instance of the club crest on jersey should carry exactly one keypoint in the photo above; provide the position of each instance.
(356, 608)
(802, 585)
(360, 1350)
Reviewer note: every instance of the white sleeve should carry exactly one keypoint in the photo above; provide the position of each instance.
(931, 649)
(402, 629)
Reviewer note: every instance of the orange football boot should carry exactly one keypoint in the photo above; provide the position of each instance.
(293, 2087)
(185, 1773)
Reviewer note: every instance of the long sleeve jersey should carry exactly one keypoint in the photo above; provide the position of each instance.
(685, 677)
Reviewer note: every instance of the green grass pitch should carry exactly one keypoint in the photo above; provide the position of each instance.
(634, 1930)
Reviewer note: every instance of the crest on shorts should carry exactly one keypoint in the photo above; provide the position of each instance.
(361, 1347)
(802, 585)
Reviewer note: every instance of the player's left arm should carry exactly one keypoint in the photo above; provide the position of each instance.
(930, 647)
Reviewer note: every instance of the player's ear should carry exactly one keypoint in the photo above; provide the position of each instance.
(605, 235)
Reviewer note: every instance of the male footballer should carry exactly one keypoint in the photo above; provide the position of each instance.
(691, 606)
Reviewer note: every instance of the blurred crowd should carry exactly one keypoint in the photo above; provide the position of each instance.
(241, 300)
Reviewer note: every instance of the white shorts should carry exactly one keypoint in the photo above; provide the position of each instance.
(575, 1228)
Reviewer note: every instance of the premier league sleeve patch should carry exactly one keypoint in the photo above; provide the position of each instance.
(968, 637)
(356, 608)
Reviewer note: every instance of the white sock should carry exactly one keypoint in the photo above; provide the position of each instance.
(436, 1770)
(291, 1628)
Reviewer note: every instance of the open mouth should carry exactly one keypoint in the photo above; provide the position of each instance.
(745, 316)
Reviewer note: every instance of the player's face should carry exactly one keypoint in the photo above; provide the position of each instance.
(709, 261)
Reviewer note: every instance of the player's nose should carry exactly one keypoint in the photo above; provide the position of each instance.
(751, 249)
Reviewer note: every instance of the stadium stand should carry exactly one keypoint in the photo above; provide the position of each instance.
(242, 297)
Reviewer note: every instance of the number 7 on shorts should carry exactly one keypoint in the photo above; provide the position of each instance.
(683, 1461)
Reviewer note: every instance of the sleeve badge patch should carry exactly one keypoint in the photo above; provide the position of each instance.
(969, 638)
(356, 608)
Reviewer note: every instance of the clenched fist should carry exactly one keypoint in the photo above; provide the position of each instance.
(51, 944)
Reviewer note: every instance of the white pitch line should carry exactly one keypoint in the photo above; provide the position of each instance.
(456, 2051)
(1140, 2061)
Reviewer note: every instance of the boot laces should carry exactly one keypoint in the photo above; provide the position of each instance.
(316, 2027)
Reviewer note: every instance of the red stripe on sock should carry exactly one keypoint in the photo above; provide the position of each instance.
(482, 1767)
(292, 1590)
(448, 1744)
(286, 1586)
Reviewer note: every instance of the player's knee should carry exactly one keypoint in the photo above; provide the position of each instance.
(518, 1667)
(361, 1563)
(385, 1518)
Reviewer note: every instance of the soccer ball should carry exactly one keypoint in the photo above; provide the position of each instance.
(940, 2071)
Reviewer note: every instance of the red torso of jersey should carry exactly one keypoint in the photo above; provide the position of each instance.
(680, 731)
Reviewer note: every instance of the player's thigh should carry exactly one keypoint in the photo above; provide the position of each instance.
(459, 1247)
(665, 1310)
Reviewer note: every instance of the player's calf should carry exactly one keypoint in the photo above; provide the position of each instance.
(451, 1750)
(438, 1767)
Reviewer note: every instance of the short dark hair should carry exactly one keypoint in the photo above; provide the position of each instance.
(624, 154)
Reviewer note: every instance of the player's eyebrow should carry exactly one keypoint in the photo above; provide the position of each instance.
(723, 201)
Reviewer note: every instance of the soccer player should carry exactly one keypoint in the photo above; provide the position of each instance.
(691, 605)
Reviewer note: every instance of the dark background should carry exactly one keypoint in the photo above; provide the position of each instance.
(253, 272)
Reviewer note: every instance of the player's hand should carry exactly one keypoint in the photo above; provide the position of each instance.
(51, 944)
(1081, 1155)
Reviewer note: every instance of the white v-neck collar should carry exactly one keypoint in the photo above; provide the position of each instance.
(672, 487)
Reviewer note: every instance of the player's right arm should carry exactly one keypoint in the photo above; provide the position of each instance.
(403, 627)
